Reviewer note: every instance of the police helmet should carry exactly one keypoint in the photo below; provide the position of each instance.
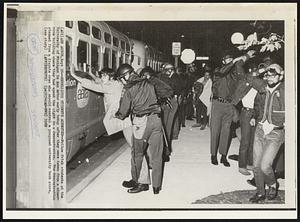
(123, 70)
(147, 71)
(168, 66)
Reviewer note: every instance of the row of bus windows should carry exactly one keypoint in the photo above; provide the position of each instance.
(83, 57)
(84, 28)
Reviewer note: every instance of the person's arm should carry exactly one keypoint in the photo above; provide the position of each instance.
(163, 90)
(125, 105)
(89, 84)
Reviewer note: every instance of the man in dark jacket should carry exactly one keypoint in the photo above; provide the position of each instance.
(222, 112)
(269, 133)
(140, 101)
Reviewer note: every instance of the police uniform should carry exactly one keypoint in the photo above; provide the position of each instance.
(222, 112)
(169, 113)
(140, 101)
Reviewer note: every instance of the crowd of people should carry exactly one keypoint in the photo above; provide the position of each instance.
(243, 95)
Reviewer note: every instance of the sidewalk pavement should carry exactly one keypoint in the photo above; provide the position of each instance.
(189, 176)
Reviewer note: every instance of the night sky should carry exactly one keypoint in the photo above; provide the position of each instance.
(206, 38)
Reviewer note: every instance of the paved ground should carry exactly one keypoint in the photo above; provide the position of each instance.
(188, 177)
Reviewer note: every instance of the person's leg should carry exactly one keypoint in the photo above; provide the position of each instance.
(225, 129)
(215, 128)
(204, 115)
(273, 143)
(137, 154)
(245, 139)
(278, 164)
(258, 150)
(171, 120)
(176, 127)
(156, 147)
(250, 149)
(144, 177)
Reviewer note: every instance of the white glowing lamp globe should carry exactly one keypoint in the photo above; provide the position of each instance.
(237, 38)
(188, 56)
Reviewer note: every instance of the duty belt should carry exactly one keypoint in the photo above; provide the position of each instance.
(221, 100)
(146, 114)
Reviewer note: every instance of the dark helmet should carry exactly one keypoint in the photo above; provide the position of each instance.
(123, 70)
(146, 71)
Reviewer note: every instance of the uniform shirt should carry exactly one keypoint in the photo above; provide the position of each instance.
(226, 80)
(139, 99)
(162, 89)
(172, 81)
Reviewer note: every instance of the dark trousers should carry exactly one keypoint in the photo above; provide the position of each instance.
(278, 164)
(221, 118)
(189, 107)
(153, 140)
(247, 139)
(182, 113)
(168, 117)
(201, 113)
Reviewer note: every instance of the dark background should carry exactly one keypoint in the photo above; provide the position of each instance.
(206, 38)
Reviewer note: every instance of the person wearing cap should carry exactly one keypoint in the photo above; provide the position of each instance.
(269, 133)
(245, 94)
(139, 101)
(107, 84)
(223, 111)
(169, 76)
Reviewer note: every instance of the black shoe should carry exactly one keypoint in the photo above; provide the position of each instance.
(183, 125)
(214, 160)
(257, 198)
(252, 182)
(139, 188)
(272, 192)
(129, 184)
(156, 190)
(202, 127)
(224, 161)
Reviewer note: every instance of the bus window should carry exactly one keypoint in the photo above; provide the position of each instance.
(122, 44)
(114, 60)
(106, 58)
(68, 53)
(115, 41)
(82, 54)
(121, 61)
(95, 58)
(69, 24)
(127, 59)
(127, 47)
(96, 33)
(84, 27)
(107, 37)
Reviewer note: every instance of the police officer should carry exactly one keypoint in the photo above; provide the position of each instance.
(222, 113)
(139, 100)
(169, 76)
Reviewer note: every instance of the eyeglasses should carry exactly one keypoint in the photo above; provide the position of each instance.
(270, 74)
